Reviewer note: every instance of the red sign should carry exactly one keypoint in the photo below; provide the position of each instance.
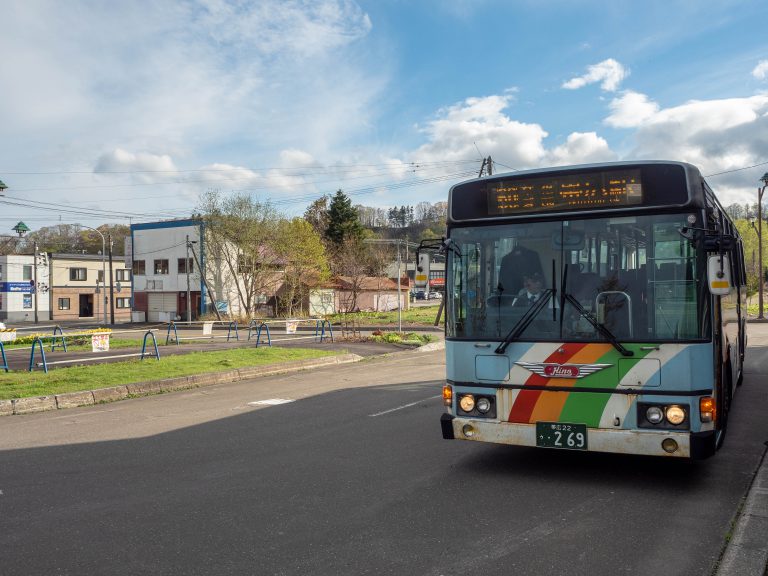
(437, 282)
(561, 371)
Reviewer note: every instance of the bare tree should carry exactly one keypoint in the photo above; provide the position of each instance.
(244, 259)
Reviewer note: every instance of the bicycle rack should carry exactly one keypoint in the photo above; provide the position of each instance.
(175, 334)
(144, 345)
(55, 337)
(5, 360)
(42, 353)
(320, 327)
(258, 335)
(229, 333)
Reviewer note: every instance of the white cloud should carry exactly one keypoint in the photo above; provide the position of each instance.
(581, 148)
(715, 135)
(761, 70)
(479, 123)
(609, 73)
(631, 109)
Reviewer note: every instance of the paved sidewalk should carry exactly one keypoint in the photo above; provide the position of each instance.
(747, 551)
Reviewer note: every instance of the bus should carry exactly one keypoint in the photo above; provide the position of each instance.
(598, 308)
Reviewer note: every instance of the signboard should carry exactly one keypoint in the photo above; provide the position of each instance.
(19, 287)
(100, 342)
(565, 192)
(437, 282)
(207, 328)
(7, 335)
(290, 326)
(221, 306)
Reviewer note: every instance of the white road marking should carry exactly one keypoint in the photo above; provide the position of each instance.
(404, 406)
(270, 402)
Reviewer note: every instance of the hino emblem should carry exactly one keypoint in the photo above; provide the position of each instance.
(551, 370)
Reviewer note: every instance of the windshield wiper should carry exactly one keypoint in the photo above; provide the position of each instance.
(525, 321)
(607, 334)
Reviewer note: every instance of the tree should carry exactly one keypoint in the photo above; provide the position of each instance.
(58, 239)
(343, 224)
(301, 249)
(317, 215)
(244, 260)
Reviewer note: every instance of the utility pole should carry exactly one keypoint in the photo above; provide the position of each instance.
(202, 277)
(486, 167)
(111, 284)
(35, 288)
(189, 302)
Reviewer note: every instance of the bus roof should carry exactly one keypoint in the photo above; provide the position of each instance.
(561, 190)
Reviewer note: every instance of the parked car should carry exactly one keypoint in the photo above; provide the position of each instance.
(435, 295)
(421, 295)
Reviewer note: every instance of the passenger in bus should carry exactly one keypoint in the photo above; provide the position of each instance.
(521, 261)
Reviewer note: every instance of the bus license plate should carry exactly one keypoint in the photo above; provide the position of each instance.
(560, 435)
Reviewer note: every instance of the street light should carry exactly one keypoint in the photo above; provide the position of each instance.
(103, 268)
(760, 278)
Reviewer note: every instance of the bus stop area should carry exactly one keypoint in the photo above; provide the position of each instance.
(153, 341)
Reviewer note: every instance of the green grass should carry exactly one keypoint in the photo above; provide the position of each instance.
(89, 377)
(76, 344)
(416, 316)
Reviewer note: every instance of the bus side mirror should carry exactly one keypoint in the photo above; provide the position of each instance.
(719, 275)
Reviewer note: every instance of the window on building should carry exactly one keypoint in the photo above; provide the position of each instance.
(186, 264)
(161, 266)
(139, 268)
(63, 303)
(27, 272)
(122, 275)
(100, 276)
(123, 302)
(78, 274)
(154, 284)
(1, 301)
(1, 271)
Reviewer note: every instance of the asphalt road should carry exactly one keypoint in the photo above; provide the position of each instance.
(352, 477)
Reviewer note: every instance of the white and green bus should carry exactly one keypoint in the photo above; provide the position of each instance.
(598, 307)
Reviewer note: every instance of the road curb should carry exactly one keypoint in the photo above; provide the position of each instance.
(32, 405)
(747, 551)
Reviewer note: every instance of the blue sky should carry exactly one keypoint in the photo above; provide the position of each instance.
(126, 112)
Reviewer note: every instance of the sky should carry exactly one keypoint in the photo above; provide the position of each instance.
(126, 112)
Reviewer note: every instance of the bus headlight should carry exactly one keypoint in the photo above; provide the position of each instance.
(654, 415)
(675, 414)
(467, 403)
(483, 405)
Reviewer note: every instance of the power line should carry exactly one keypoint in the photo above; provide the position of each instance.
(736, 170)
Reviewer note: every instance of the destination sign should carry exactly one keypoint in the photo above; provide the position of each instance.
(606, 189)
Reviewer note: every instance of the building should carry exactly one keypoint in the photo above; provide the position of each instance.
(79, 291)
(165, 258)
(24, 288)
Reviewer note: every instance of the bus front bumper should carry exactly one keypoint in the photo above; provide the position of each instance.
(642, 442)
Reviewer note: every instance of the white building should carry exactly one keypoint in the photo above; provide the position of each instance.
(24, 290)
(165, 269)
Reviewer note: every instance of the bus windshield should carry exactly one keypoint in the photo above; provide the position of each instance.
(636, 275)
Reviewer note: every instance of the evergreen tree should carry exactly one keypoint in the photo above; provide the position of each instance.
(343, 223)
